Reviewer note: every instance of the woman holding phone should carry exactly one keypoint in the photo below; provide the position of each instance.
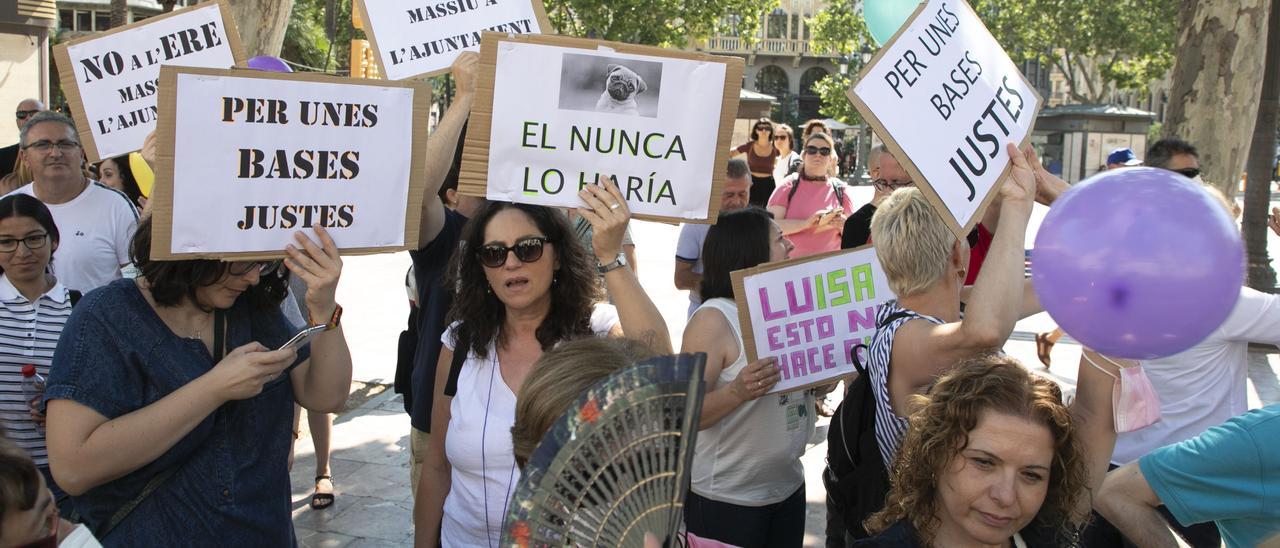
(168, 411)
(810, 205)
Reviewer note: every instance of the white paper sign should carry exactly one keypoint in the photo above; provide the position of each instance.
(116, 76)
(809, 313)
(423, 38)
(257, 159)
(947, 94)
(562, 116)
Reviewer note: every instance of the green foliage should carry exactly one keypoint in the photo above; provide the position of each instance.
(305, 42)
(672, 23)
(834, 102)
(1101, 45)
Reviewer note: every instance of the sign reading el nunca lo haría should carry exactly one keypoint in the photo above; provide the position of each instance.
(946, 98)
(249, 158)
(423, 38)
(553, 114)
(809, 313)
(111, 78)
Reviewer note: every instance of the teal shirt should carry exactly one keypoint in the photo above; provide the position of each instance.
(1230, 475)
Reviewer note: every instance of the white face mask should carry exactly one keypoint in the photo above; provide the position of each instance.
(1134, 401)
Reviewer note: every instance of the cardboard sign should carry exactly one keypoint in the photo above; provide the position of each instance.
(248, 158)
(422, 39)
(111, 79)
(809, 313)
(554, 113)
(946, 98)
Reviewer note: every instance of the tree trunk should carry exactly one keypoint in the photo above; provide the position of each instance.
(119, 13)
(1257, 193)
(1217, 76)
(262, 24)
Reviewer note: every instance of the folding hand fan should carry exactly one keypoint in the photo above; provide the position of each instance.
(616, 464)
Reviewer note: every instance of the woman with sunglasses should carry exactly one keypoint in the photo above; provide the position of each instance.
(761, 157)
(810, 205)
(34, 307)
(171, 396)
(523, 284)
(788, 159)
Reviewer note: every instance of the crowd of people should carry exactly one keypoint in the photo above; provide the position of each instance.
(172, 398)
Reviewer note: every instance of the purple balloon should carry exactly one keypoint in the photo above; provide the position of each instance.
(1138, 263)
(269, 63)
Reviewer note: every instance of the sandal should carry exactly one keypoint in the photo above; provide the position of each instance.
(1043, 347)
(320, 501)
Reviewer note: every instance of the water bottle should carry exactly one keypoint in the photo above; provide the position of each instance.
(33, 387)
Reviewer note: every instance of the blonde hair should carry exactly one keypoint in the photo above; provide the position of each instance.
(912, 242)
(559, 378)
(1227, 203)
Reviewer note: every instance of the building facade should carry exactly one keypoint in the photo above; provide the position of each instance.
(780, 60)
(26, 26)
(80, 17)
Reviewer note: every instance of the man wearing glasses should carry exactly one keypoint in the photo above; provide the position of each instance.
(96, 222)
(9, 155)
(1175, 155)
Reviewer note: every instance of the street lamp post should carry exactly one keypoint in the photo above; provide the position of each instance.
(862, 57)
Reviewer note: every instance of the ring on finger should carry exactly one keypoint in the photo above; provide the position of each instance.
(615, 206)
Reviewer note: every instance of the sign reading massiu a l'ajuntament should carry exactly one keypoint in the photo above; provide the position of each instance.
(422, 38)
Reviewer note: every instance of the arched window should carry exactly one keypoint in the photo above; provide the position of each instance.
(811, 77)
(773, 80)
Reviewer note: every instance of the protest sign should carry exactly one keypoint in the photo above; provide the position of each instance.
(249, 158)
(809, 313)
(946, 98)
(422, 39)
(111, 78)
(552, 114)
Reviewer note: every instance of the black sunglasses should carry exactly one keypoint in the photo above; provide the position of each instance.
(1188, 172)
(240, 268)
(24, 114)
(825, 151)
(528, 250)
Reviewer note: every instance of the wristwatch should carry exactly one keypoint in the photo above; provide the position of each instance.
(617, 263)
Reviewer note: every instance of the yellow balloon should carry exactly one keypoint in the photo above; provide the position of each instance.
(142, 173)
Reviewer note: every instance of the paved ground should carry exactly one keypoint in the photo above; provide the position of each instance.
(370, 444)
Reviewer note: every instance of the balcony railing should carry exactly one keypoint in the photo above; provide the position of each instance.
(767, 46)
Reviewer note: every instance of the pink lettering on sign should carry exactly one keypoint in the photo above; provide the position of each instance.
(808, 361)
(769, 314)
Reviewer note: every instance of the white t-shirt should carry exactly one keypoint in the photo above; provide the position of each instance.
(478, 445)
(751, 457)
(94, 230)
(80, 537)
(1204, 385)
(689, 250)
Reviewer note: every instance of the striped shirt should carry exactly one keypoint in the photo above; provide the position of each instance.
(890, 428)
(28, 335)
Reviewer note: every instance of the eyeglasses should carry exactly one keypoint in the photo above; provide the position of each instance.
(781, 137)
(24, 114)
(1188, 172)
(527, 250)
(33, 242)
(240, 268)
(825, 151)
(43, 146)
(885, 184)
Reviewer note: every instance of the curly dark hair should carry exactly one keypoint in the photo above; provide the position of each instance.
(939, 430)
(574, 292)
(170, 281)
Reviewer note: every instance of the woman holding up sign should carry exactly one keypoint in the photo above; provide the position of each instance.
(524, 284)
(747, 481)
(170, 400)
(810, 205)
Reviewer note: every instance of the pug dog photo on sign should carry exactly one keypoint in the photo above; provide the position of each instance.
(599, 83)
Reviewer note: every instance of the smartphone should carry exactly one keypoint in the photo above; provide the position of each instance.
(303, 337)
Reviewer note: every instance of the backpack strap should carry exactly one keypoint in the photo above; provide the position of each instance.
(862, 372)
(460, 351)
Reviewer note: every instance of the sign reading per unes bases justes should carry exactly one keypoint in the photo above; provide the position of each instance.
(946, 98)
(415, 39)
(111, 78)
(809, 313)
(248, 158)
(553, 114)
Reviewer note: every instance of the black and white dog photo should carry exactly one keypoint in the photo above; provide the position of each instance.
(608, 84)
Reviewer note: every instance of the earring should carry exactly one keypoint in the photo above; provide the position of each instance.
(488, 289)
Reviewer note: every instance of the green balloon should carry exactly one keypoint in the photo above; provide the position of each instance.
(885, 17)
